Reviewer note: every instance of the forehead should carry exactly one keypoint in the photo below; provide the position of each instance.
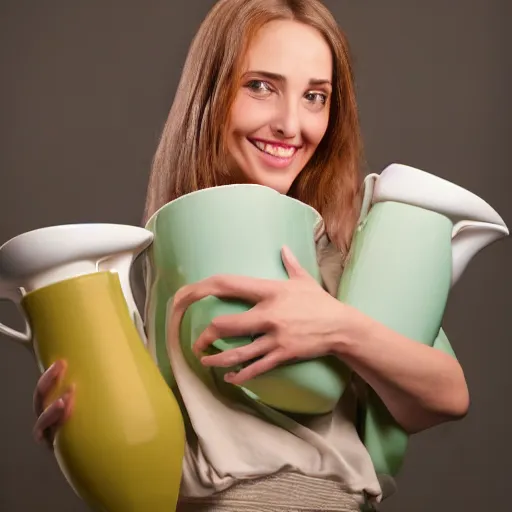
(291, 49)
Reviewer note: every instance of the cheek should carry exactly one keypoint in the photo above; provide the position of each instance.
(316, 128)
(247, 115)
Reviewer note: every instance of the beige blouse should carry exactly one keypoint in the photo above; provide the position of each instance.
(229, 440)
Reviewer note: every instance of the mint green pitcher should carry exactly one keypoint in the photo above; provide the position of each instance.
(235, 229)
(415, 236)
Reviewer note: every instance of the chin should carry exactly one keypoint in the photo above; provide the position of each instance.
(281, 184)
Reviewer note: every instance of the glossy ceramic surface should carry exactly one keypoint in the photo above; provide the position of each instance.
(417, 234)
(47, 255)
(235, 230)
(123, 446)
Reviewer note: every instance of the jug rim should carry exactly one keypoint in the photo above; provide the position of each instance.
(410, 185)
(70, 226)
(47, 249)
(215, 189)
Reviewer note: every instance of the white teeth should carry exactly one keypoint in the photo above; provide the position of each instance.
(278, 151)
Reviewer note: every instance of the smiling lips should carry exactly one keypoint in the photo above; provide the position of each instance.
(277, 150)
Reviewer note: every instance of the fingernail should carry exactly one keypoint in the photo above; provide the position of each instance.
(52, 368)
(229, 376)
(289, 254)
(67, 395)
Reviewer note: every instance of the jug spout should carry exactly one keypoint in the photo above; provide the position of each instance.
(469, 238)
(46, 256)
(476, 224)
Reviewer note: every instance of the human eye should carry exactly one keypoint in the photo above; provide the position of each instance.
(259, 87)
(316, 98)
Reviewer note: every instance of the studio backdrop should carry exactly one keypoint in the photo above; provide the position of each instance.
(85, 89)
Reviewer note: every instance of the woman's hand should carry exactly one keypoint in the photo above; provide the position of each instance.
(296, 319)
(51, 418)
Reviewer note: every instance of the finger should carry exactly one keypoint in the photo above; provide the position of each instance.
(265, 364)
(240, 355)
(48, 419)
(53, 417)
(250, 289)
(242, 324)
(291, 264)
(46, 383)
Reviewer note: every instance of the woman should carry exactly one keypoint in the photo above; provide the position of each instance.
(267, 97)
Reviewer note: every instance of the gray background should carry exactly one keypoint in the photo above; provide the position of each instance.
(85, 88)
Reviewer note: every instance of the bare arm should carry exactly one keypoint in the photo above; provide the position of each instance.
(420, 385)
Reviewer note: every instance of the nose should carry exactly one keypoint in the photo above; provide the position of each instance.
(286, 123)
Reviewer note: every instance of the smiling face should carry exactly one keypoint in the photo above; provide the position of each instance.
(281, 111)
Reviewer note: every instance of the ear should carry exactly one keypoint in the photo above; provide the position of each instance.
(291, 264)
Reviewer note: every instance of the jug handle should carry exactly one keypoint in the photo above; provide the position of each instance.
(122, 265)
(369, 187)
(15, 295)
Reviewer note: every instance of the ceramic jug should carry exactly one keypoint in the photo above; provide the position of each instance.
(235, 229)
(415, 236)
(122, 448)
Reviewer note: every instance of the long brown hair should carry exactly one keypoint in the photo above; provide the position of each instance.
(191, 152)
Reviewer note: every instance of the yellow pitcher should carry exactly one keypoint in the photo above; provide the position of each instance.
(123, 446)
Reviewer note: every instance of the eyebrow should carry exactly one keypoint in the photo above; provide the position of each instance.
(281, 78)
